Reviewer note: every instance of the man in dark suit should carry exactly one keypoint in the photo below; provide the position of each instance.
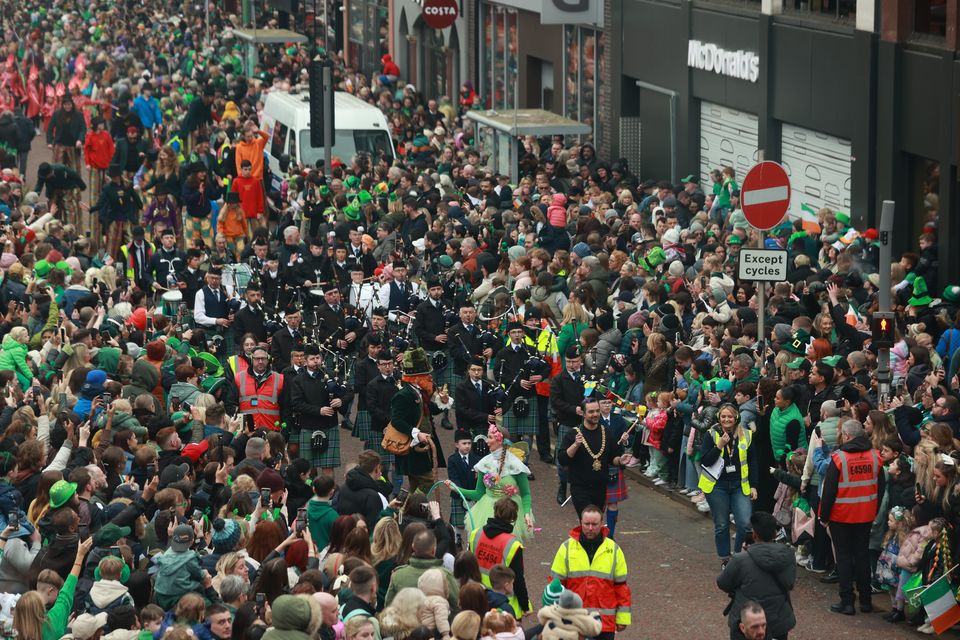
(191, 278)
(378, 393)
(471, 401)
(250, 318)
(286, 340)
(464, 340)
(566, 394)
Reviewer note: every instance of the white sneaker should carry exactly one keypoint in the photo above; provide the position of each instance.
(703, 507)
(683, 492)
(926, 628)
(650, 475)
(698, 497)
(634, 463)
(659, 482)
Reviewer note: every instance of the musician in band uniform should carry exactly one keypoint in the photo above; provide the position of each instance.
(251, 318)
(377, 394)
(211, 305)
(287, 339)
(475, 410)
(513, 372)
(317, 409)
(191, 278)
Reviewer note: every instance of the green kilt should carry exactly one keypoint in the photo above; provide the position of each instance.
(525, 426)
(457, 511)
(376, 437)
(446, 376)
(361, 426)
(562, 431)
(329, 459)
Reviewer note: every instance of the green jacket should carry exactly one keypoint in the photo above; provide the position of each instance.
(14, 358)
(320, 518)
(409, 574)
(406, 411)
(56, 623)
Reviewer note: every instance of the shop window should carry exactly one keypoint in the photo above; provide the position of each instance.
(582, 69)
(367, 34)
(930, 17)
(839, 10)
(499, 58)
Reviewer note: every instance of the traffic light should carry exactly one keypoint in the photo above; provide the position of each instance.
(882, 325)
(317, 109)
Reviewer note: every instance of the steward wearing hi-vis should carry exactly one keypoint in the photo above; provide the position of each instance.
(851, 493)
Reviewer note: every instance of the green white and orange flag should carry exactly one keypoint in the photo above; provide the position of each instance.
(940, 602)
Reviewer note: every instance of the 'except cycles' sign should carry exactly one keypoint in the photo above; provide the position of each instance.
(762, 265)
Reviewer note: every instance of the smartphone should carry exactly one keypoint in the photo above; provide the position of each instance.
(13, 520)
(197, 515)
(261, 602)
(264, 498)
(175, 403)
(301, 519)
(115, 551)
(151, 471)
(248, 424)
(220, 449)
(107, 398)
(63, 335)
(402, 495)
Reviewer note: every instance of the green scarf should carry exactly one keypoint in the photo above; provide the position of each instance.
(778, 429)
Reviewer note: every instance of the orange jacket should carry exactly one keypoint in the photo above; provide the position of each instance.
(231, 222)
(98, 149)
(252, 151)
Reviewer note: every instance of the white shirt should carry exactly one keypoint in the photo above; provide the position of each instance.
(200, 308)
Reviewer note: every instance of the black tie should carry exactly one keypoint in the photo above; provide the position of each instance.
(336, 309)
(465, 461)
(479, 388)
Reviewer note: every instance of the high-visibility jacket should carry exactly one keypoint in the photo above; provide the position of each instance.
(500, 549)
(857, 490)
(601, 583)
(263, 401)
(128, 259)
(237, 364)
(707, 483)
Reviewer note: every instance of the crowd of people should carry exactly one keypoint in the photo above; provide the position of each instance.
(184, 346)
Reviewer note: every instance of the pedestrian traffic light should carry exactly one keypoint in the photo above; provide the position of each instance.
(319, 111)
(882, 325)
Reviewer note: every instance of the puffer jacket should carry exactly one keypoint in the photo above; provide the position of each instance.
(13, 357)
(608, 344)
(702, 421)
(762, 572)
(179, 573)
(911, 549)
(360, 493)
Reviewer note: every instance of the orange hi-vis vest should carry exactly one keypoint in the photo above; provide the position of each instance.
(490, 552)
(857, 491)
(263, 401)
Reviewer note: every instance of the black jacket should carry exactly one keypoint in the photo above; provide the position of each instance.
(565, 396)
(766, 573)
(309, 395)
(831, 477)
(365, 370)
(378, 393)
(62, 177)
(361, 494)
(428, 325)
(66, 129)
(509, 364)
(463, 344)
(472, 408)
(282, 344)
(249, 321)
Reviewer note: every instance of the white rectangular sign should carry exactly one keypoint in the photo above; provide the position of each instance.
(762, 265)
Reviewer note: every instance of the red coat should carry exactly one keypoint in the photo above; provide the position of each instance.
(251, 195)
(98, 149)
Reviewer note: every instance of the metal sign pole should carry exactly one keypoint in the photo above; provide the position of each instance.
(327, 120)
(886, 230)
(761, 301)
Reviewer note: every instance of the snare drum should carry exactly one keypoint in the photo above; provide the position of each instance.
(171, 303)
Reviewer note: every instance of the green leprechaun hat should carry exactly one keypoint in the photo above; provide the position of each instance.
(416, 362)
(921, 296)
(798, 342)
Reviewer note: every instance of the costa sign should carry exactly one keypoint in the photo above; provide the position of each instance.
(440, 14)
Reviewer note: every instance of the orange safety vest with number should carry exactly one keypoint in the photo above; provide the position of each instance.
(262, 402)
(490, 552)
(857, 491)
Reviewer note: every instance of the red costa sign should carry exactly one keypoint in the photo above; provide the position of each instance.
(440, 14)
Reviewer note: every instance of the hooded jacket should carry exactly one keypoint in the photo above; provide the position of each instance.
(765, 573)
(106, 595)
(320, 518)
(360, 493)
(14, 358)
(143, 380)
(494, 528)
(179, 573)
(185, 392)
(831, 477)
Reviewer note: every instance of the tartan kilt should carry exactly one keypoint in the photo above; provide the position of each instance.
(458, 512)
(361, 427)
(617, 491)
(526, 426)
(562, 431)
(329, 459)
(446, 376)
(387, 458)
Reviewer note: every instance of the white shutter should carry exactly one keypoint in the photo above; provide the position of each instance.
(728, 137)
(819, 168)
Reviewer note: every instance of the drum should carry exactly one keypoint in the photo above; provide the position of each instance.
(171, 303)
(316, 293)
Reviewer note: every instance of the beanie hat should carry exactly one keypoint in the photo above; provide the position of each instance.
(226, 535)
(270, 479)
(582, 249)
(156, 351)
(138, 319)
(782, 332)
(675, 269)
(552, 592)
(291, 613)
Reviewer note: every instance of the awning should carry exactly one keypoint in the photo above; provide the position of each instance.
(269, 36)
(528, 122)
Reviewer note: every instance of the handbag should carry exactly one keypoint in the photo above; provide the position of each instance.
(395, 442)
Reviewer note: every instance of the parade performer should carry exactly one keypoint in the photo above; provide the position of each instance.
(500, 473)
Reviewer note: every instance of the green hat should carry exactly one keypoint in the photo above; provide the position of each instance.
(352, 211)
(921, 297)
(351, 182)
(831, 360)
(416, 362)
(324, 190)
(843, 218)
(211, 384)
(654, 258)
(214, 368)
(179, 415)
(109, 534)
(734, 239)
(445, 262)
(61, 492)
(551, 593)
(951, 293)
(689, 178)
(365, 197)
(798, 342)
(798, 363)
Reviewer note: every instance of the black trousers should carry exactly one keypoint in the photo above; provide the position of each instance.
(543, 427)
(585, 496)
(852, 543)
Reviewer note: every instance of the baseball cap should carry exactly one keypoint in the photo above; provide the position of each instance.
(182, 538)
(173, 473)
(109, 534)
(799, 363)
(195, 450)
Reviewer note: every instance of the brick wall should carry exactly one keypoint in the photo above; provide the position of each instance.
(605, 110)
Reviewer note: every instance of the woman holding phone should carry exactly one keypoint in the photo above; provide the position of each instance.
(728, 476)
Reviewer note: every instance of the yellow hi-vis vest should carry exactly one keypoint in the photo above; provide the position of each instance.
(707, 483)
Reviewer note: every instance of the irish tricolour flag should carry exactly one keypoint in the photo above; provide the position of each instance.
(940, 602)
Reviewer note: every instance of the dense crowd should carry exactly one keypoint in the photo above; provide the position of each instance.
(184, 346)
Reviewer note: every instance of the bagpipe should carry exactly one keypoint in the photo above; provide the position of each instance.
(534, 363)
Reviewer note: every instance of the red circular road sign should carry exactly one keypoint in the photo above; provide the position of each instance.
(765, 195)
(440, 14)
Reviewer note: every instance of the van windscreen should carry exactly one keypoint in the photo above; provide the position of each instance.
(347, 144)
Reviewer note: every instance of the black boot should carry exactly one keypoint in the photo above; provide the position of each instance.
(562, 493)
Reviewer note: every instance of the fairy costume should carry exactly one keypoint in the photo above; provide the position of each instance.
(500, 474)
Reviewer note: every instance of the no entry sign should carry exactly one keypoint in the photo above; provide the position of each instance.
(440, 14)
(765, 195)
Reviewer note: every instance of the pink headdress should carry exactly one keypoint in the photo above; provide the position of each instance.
(494, 433)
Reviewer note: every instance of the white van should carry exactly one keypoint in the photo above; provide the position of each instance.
(360, 127)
